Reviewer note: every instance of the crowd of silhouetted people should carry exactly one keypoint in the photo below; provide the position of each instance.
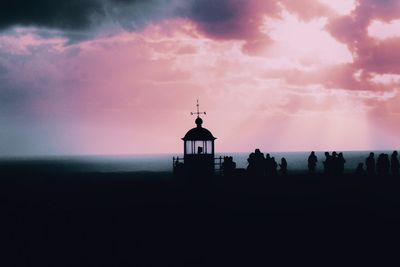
(260, 166)
(333, 165)
(382, 166)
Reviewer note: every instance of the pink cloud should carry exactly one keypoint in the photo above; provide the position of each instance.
(384, 30)
(341, 7)
(371, 54)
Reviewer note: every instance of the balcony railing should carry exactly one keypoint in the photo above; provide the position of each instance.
(218, 162)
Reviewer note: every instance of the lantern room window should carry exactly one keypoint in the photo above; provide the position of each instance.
(199, 147)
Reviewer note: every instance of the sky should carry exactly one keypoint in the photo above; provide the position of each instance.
(122, 76)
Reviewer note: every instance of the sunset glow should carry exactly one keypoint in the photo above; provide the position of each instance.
(270, 74)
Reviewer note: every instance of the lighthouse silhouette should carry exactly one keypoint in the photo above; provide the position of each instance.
(198, 149)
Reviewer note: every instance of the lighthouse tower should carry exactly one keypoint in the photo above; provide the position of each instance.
(198, 148)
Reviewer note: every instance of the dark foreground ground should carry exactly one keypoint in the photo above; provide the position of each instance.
(148, 219)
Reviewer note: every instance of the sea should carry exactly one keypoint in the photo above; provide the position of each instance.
(297, 162)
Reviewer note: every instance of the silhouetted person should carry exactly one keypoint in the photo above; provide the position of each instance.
(334, 164)
(268, 165)
(370, 163)
(312, 162)
(199, 150)
(386, 164)
(328, 163)
(256, 164)
(274, 165)
(178, 167)
(394, 163)
(228, 166)
(251, 167)
(360, 169)
(383, 164)
(340, 163)
(283, 167)
(259, 163)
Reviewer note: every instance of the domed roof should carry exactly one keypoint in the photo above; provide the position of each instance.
(198, 133)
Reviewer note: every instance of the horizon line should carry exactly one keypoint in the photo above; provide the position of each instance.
(176, 153)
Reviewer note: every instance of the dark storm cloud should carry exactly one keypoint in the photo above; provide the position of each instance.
(230, 19)
(214, 11)
(222, 19)
(79, 19)
(71, 14)
(78, 14)
(219, 19)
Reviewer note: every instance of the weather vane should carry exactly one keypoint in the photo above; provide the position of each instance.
(198, 110)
